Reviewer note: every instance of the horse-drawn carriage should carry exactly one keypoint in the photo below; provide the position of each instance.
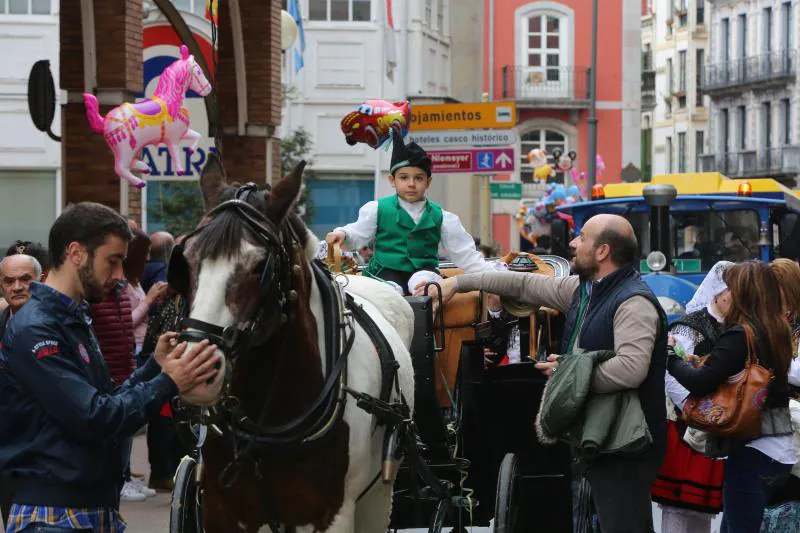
(343, 456)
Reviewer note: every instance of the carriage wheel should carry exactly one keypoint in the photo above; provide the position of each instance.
(506, 509)
(185, 511)
(442, 511)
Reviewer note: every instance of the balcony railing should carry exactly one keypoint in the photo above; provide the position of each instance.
(779, 161)
(649, 89)
(566, 87)
(775, 66)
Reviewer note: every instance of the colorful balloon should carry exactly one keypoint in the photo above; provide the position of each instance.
(374, 120)
(160, 119)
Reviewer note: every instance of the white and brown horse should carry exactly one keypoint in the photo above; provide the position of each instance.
(253, 289)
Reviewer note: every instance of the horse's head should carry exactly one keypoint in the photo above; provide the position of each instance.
(236, 268)
(197, 80)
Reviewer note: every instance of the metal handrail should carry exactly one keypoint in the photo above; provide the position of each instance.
(752, 69)
(523, 82)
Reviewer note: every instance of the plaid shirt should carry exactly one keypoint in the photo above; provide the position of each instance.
(98, 519)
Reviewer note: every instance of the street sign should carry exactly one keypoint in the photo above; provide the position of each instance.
(506, 190)
(480, 161)
(477, 138)
(439, 117)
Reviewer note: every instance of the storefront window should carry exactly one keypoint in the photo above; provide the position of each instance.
(21, 190)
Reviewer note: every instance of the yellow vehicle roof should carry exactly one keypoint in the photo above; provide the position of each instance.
(699, 183)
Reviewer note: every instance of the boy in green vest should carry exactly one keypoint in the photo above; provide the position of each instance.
(407, 229)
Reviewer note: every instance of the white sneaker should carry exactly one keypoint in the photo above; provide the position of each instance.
(140, 487)
(130, 494)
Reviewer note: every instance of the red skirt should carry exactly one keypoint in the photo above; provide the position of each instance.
(688, 479)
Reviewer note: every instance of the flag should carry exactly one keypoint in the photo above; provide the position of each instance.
(212, 11)
(390, 46)
(294, 11)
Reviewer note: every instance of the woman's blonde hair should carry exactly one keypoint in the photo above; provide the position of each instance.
(788, 274)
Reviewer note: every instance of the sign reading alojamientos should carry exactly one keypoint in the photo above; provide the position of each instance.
(442, 139)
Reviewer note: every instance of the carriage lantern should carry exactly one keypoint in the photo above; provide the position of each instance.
(659, 196)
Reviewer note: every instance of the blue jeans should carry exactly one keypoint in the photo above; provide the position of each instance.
(751, 478)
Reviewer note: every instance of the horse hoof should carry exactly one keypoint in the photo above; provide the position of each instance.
(180, 172)
(145, 171)
(141, 185)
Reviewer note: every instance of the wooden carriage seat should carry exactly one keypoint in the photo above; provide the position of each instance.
(460, 316)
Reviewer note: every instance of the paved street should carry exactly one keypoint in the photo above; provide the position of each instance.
(152, 515)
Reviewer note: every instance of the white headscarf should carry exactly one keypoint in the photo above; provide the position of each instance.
(711, 287)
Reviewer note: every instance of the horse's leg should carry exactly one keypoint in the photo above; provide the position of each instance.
(122, 165)
(193, 136)
(141, 166)
(175, 153)
(345, 519)
(373, 511)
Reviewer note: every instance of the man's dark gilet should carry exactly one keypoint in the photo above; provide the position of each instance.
(597, 333)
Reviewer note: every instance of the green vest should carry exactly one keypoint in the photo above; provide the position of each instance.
(402, 245)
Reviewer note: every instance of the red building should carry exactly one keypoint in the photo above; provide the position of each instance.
(538, 54)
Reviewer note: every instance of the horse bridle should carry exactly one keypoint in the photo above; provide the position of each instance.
(275, 282)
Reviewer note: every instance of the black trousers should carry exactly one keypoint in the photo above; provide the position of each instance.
(162, 445)
(5, 497)
(621, 492)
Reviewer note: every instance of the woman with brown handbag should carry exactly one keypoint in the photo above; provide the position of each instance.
(757, 337)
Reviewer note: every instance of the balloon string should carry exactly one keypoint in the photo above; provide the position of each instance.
(215, 64)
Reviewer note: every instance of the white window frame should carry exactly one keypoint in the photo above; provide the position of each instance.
(5, 12)
(566, 32)
(328, 12)
(544, 124)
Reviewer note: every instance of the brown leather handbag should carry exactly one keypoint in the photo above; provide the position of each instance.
(734, 409)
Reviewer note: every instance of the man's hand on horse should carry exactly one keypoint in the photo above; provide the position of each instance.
(335, 237)
(166, 343)
(550, 366)
(188, 369)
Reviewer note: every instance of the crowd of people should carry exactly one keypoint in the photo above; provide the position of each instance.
(89, 356)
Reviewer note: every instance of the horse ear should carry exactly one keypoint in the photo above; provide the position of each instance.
(212, 181)
(285, 193)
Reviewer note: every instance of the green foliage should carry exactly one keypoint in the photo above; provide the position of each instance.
(174, 206)
(294, 148)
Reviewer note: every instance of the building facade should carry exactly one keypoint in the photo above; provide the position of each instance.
(30, 161)
(539, 54)
(648, 88)
(678, 52)
(345, 61)
(751, 80)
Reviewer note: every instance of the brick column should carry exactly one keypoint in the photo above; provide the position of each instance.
(245, 153)
(88, 165)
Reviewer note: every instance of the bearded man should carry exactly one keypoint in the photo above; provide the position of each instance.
(62, 417)
(608, 307)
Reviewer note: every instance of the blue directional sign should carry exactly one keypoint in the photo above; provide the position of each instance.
(485, 160)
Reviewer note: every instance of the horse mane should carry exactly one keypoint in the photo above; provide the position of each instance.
(172, 85)
(222, 236)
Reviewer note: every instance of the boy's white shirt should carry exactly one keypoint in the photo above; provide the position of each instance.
(458, 245)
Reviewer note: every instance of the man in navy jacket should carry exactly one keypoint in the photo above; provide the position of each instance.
(62, 418)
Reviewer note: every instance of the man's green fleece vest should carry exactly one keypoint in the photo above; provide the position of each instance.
(402, 245)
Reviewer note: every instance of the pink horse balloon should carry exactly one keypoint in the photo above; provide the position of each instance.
(161, 119)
